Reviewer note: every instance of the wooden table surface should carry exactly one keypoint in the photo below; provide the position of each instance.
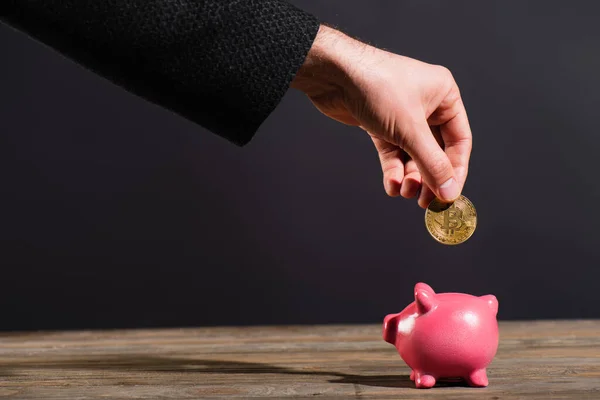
(536, 360)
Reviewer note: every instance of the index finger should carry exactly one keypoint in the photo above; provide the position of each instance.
(458, 142)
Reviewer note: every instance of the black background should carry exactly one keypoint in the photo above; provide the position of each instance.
(116, 213)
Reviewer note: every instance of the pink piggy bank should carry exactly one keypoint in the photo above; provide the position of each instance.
(445, 335)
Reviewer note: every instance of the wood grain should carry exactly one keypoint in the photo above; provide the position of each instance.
(536, 360)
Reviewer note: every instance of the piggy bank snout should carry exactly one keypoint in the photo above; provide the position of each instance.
(390, 328)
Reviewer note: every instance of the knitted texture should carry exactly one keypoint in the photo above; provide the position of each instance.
(224, 64)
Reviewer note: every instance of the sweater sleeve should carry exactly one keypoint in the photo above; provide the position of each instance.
(223, 64)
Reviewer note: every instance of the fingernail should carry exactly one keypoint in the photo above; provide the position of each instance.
(419, 198)
(449, 190)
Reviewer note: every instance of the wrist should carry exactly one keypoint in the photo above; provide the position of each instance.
(328, 64)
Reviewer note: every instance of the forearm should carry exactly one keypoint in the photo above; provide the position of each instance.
(222, 64)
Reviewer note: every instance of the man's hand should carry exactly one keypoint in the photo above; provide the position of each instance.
(412, 110)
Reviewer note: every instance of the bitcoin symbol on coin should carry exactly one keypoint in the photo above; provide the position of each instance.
(451, 223)
(452, 220)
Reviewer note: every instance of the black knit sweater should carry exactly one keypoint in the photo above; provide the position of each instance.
(224, 64)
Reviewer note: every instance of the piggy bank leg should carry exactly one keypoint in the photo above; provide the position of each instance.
(478, 378)
(412, 375)
(423, 381)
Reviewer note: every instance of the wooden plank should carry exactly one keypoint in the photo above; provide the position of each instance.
(536, 360)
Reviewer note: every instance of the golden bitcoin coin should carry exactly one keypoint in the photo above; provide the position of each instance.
(451, 223)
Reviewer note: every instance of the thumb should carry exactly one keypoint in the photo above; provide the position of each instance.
(434, 165)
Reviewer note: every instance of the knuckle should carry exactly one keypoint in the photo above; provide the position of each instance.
(448, 79)
(445, 72)
(454, 96)
(468, 146)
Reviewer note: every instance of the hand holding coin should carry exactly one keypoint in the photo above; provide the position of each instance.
(451, 223)
(412, 110)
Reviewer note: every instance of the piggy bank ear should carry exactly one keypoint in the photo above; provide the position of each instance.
(492, 302)
(424, 297)
(423, 286)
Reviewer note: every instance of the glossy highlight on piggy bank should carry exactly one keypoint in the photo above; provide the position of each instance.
(445, 335)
